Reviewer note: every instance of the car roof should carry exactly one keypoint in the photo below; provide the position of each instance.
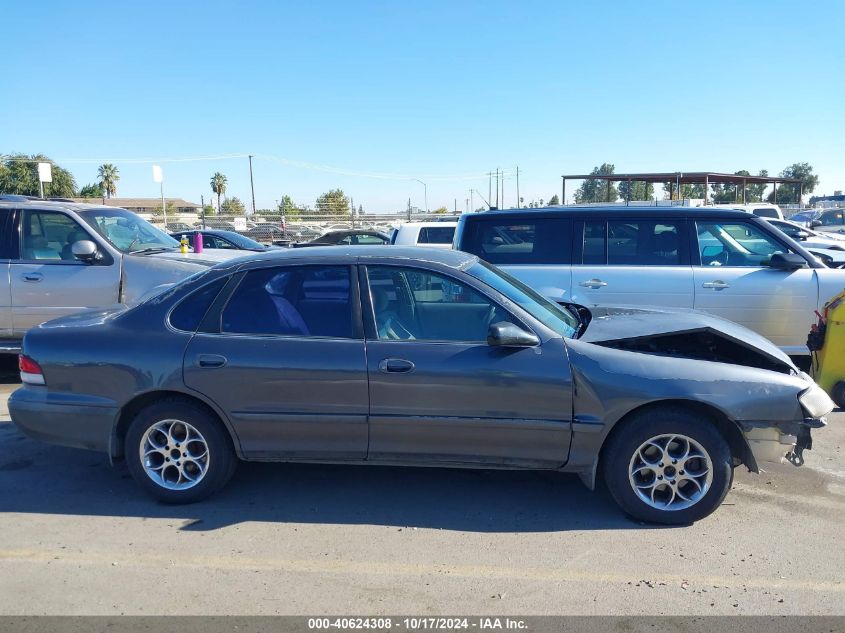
(391, 254)
(444, 223)
(619, 211)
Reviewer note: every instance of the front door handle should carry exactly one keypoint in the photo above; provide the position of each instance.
(716, 285)
(32, 277)
(211, 360)
(593, 283)
(395, 366)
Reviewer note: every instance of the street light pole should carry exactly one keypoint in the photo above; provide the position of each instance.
(251, 185)
(425, 190)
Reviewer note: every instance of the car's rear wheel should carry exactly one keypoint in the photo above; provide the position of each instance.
(178, 452)
(668, 465)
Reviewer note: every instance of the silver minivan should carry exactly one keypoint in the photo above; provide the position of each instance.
(62, 257)
(729, 263)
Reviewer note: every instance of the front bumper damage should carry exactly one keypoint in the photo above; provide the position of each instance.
(775, 441)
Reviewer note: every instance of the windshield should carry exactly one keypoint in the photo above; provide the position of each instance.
(126, 230)
(549, 314)
(240, 241)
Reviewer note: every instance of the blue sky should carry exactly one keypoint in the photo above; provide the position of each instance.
(440, 91)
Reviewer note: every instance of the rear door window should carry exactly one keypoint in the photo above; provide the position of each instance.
(304, 301)
(522, 241)
(634, 242)
(436, 235)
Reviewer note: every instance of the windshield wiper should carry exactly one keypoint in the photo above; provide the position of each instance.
(154, 249)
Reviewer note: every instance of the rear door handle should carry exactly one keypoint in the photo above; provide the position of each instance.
(716, 285)
(396, 366)
(593, 283)
(211, 360)
(32, 277)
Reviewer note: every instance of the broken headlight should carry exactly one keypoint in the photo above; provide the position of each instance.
(815, 402)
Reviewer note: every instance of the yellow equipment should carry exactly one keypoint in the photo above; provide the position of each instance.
(829, 358)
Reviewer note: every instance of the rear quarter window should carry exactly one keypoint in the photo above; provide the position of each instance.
(188, 314)
(519, 241)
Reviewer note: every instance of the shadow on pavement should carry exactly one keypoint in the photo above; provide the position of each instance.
(39, 478)
(9, 370)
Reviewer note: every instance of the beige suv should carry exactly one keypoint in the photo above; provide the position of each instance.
(62, 257)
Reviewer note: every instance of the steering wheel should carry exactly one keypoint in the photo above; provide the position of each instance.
(397, 331)
(721, 259)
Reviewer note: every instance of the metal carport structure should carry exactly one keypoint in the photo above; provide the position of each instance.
(677, 178)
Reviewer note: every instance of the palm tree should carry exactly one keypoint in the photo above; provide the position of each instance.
(218, 186)
(108, 175)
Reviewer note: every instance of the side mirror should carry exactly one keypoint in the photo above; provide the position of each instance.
(815, 223)
(506, 334)
(85, 251)
(787, 261)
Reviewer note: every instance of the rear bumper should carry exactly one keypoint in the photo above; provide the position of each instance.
(64, 419)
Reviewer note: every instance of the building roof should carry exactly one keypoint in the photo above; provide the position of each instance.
(150, 203)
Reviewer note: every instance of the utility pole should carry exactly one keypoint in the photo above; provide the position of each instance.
(202, 209)
(497, 187)
(490, 187)
(518, 204)
(251, 185)
(409, 209)
(471, 201)
(467, 205)
(503, 187)
(456, 206)
(352, 210)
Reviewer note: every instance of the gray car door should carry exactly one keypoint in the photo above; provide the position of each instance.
(440, 394)
(47, 281)
(286, 364)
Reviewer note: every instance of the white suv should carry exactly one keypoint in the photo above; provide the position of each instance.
(729, 263)
(431, 234)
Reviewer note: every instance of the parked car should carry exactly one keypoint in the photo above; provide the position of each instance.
(809, 238)
(413, 356)
(266, 233)
(215, 238)
(729, 263)
(762, 209)
(805, 217)
(430, 234)
(832, 220)
(173, 227)
(62, 257)
(354, 237)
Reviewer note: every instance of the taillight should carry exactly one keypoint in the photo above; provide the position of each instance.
(31, 372)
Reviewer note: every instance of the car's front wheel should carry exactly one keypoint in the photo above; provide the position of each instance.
(668, 465)
(178, 452)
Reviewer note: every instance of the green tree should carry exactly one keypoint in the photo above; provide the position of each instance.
(687, 191)
(788, 192)
(233, 206)
(639, 190)
(728, 193)
(108, 175)
(92, 190)
(172, 210)
(598, 190)
(287, 207)
(218, 186)
(20, 176)
(333, 202)
(554, 200)
(441, 210)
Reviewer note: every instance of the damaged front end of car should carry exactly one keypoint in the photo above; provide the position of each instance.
(627, 359)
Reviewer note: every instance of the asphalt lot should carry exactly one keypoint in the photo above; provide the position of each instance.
(79, 538)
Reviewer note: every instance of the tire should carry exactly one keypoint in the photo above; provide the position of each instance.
(204, 461)
(837, 394)
(680, 496)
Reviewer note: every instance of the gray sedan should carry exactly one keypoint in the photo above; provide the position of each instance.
(413, 356)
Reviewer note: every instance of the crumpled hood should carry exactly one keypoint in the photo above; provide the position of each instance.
(632, 325)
